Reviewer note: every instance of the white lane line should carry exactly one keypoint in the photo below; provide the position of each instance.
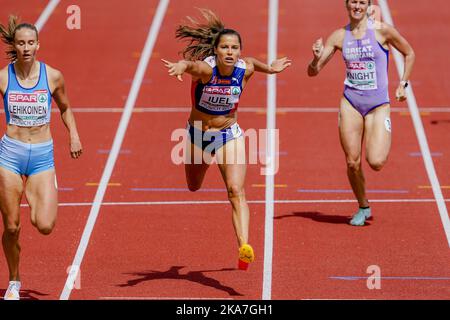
(270, 152)
(420, 132)
(137, 81)
(210, 202)
(45, 15)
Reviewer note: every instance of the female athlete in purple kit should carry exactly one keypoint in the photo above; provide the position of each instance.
(219, 76)
(365, 108)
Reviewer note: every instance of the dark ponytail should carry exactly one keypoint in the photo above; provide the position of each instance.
(203, 37)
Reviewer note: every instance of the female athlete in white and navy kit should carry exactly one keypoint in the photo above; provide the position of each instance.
(365, 107)
(218, 77)
(26, 150)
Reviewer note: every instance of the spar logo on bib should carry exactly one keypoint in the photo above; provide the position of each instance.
(42, 98)
(370, 65)
(22, 97)
(236, 91)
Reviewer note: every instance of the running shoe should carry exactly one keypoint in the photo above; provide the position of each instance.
(13, 291)
(360, 217)
(246, 256)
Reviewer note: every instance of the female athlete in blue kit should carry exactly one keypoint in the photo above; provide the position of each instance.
(219, 76)
(26, 150)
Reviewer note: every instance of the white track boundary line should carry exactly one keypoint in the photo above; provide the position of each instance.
(42, 20)
(270, 152)
(420, 132)
(137, 81)
(210, 202)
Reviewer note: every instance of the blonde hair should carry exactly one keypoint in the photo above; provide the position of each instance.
(204, 36)
(8, 34)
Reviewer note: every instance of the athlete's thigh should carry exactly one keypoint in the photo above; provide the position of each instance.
(232, 162)
(378, 133)
(42, 194)
(195, 166)
(351, 129)
(11, 190)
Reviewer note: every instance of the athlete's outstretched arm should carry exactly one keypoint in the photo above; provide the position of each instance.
(394, 38)
(60, 97)
(322, 54)
(198, 69)
(276, 66)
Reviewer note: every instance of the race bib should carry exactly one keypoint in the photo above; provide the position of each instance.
(220, 98)
(362, 75)
(28, 109)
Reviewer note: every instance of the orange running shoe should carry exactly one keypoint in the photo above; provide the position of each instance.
(246, 256)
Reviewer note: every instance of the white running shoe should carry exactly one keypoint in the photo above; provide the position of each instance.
(13, 291)
(359, 219)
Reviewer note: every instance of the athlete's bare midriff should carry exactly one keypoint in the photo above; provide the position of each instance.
(212, 122)
(29, 134)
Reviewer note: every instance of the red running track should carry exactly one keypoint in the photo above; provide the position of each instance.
(189, 250)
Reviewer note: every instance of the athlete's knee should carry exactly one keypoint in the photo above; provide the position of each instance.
(354, 164)
(12, 230)
(377, 164)
(194, 186)
(45, 228)
(193, 182)
(235, 191)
